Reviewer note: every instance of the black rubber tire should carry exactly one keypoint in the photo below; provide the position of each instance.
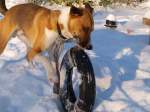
(76, 57)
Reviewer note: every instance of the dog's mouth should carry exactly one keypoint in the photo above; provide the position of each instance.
(87, 47)
(83, 44)
(76, 40)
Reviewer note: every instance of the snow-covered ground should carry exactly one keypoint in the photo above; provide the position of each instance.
(120, 59)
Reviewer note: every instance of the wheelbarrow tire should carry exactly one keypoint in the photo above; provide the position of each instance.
(76, 57)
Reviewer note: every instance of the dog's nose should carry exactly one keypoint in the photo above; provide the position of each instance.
(89, 47)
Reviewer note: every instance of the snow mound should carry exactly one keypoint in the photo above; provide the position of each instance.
(147, 15)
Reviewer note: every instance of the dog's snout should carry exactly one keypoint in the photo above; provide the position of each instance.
(89, 47)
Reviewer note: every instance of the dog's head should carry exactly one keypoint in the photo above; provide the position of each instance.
(79, 25)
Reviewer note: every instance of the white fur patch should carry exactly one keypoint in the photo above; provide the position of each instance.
(64, 19)
(51, 37)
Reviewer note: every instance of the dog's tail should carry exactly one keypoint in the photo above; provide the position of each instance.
(3, 8)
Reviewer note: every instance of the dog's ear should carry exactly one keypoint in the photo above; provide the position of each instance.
(89, 8)
(74, 11)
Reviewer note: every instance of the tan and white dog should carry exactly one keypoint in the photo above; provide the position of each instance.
(42, 27)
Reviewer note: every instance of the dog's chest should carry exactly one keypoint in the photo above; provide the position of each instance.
(50, 37)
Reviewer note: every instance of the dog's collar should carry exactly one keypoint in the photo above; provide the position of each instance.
(60, 33)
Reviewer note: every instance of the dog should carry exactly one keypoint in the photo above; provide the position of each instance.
(42, 28)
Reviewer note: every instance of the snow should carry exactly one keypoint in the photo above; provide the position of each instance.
(146, 4)
(111, 17)
(11, 3)
(120, 59)
(147, 15)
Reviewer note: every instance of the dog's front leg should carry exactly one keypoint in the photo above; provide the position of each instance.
(54, 55)
(55, 66)
(50, 67)
(56, 86)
